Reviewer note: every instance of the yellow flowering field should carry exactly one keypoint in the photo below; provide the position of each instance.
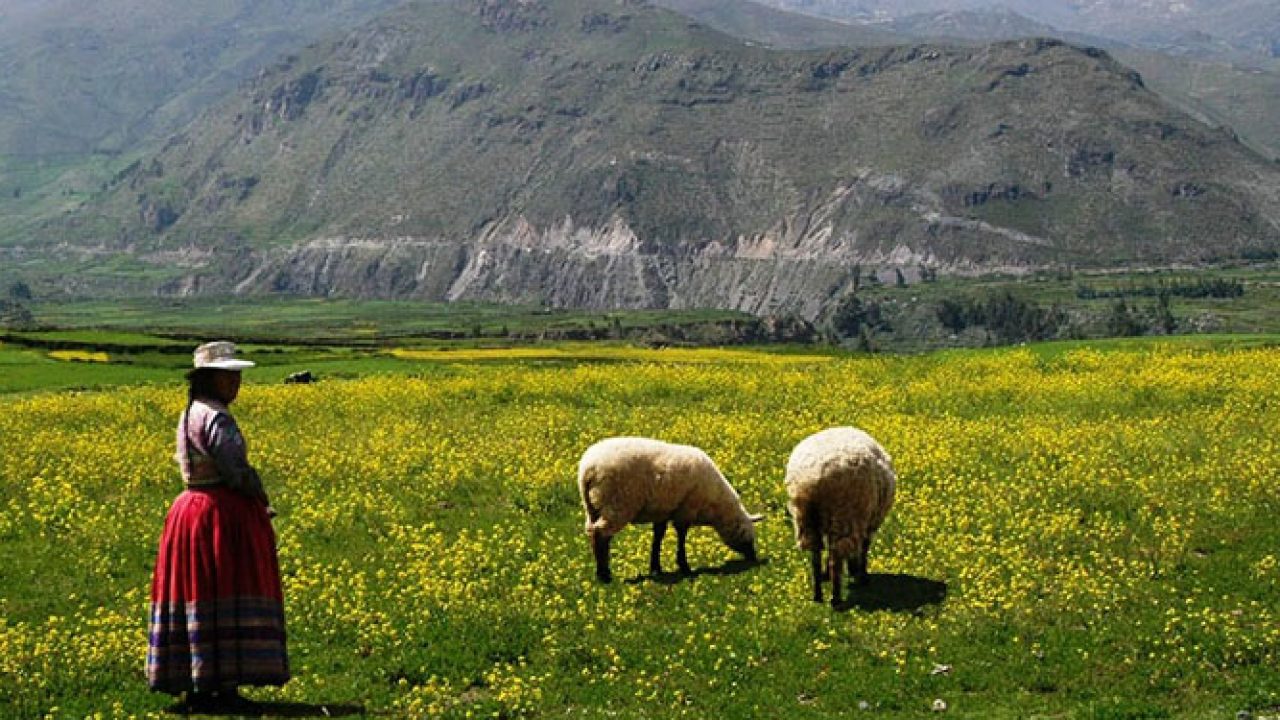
(1078, 534)
(79, 356)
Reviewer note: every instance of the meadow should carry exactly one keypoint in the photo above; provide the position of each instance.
(342, 321)
(1080, 532)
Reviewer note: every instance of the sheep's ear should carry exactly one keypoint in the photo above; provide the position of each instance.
(756, 518)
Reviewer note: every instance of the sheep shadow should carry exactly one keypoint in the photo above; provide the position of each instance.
(276, 710)
(894, 593)
(731, 567)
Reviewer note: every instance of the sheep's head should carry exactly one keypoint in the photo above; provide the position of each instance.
(740, 534)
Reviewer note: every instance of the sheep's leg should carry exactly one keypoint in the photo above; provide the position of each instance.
(815, 556)
(600, 546)
(858, 564)
(856, 573)
(655, 551)
(682, 559)
(834, 562)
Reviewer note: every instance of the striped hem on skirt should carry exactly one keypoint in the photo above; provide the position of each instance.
(205, 645)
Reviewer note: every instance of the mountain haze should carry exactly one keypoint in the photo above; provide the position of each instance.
(1247, 26)
(605, 154)
(83, 76)
(766, 24)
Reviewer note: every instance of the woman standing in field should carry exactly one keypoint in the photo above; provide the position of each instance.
(217, 612)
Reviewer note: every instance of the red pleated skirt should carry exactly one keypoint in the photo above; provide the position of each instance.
(217, 612)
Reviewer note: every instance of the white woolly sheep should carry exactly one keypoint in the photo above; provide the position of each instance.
(840, 485)
(626, 480)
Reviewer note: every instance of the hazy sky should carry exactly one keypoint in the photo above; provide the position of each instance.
(1252, 25)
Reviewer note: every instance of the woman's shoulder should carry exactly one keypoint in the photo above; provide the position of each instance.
(203, 411)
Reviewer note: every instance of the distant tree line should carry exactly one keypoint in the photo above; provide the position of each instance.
(858, 320)
(13, 310)
(15, 315)
(1125, 320)
(1198, 288)
(779, 329)
(1002, 316)
(1007, 317)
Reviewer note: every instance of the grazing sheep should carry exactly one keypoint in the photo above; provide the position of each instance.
(628, 480)
(840, 483)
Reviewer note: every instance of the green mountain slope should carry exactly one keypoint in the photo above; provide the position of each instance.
(585, 152)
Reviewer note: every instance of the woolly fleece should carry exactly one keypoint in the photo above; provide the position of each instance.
(841, 485)
(628, 480)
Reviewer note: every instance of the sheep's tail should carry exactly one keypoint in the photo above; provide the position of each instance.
(808, 526)
(845, 533)
(585, 484)
(846, 546)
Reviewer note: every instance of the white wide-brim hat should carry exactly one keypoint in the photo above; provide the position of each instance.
(219, 356)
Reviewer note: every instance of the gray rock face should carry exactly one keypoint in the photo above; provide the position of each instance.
(786, 272)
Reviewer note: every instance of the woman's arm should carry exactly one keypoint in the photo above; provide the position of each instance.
(227, 447)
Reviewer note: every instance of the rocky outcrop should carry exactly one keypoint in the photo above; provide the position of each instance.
(790, 271)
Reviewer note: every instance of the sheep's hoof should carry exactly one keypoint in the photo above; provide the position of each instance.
(817, 597)
(604, 577)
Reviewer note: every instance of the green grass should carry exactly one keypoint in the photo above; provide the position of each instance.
(27, 369)
(100, 338)
(344, 321)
